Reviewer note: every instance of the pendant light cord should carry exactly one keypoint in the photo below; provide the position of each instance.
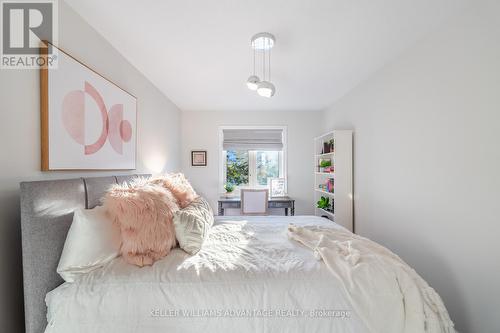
(264, 62)
(253, 59)
(269, 64)
(265, 44)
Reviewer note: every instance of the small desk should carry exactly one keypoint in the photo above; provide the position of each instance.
(278, 202)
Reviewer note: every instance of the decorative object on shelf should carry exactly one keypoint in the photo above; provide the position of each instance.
(229, 187)
(262, 42)
(332, 145)
(329, 185)
(324, 163)
(199, 158)
(276, 187)
(326, 147)
(329, 169)
(87, 121)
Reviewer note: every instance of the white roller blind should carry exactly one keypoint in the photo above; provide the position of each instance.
(253, 139)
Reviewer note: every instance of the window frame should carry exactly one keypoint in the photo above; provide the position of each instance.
(251, 159)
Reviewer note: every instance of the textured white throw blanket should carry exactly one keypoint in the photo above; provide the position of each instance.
(385, 292)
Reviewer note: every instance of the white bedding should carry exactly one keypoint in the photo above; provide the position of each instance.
(379, 284)
(248, 277)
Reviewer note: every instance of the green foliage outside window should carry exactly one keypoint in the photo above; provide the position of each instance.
(237, 167)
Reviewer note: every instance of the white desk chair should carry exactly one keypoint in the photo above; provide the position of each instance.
(254, 201)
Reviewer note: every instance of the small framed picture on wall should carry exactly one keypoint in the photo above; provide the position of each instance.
(199, 158)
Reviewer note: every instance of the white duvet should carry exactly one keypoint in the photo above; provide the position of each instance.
(378, 283)
(248, 277)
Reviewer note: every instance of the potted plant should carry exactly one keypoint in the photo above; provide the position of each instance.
(324, 164)
(324, 203)
(229, 187)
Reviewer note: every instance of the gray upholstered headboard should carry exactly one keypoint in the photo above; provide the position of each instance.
(46, 215)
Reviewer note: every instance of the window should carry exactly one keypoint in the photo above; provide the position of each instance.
(252, 168)
(250, 156)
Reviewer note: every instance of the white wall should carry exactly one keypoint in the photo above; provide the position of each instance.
(158, 142)
(200, 132)
(427, 162)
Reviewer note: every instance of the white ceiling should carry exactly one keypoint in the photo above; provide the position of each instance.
(197, 52)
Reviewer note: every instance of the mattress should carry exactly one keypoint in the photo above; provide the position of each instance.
(248, 277)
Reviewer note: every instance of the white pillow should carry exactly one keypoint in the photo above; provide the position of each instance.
(92, 241)
(192, 225)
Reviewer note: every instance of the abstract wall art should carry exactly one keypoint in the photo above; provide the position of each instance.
(88, 122)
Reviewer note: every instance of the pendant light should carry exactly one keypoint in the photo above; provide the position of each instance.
(266, 89)
(262, 42)
(253, 82)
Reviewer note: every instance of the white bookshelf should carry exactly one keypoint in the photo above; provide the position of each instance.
(341, 160)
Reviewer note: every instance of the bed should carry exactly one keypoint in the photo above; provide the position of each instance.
(248, 277)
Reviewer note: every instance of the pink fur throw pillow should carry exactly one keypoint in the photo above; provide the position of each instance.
(179, 186)
(144, 211)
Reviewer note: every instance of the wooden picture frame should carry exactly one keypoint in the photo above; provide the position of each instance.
(199, 158)
(87, 121)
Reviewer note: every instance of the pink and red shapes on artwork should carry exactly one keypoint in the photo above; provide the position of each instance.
(115, 116)
(114, 128)
(93, 148)
(125, 130)
(73, 115)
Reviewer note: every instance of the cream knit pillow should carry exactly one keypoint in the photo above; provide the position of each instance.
(192, 225)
